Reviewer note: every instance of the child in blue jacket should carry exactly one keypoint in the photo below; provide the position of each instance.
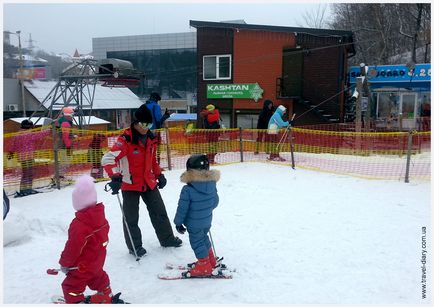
(197, 201)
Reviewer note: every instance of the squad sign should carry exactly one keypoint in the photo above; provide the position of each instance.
(393, 73)
(245, 90)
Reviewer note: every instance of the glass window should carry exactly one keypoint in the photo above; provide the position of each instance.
(217, 67)
(408, 105)
(388, 105)
(209, 67)
(224, 71)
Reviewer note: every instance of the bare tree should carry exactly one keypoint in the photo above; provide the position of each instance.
(384, 32)
(315, 18)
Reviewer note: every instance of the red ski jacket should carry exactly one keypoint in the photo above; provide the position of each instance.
(87, 240)
(137, 163)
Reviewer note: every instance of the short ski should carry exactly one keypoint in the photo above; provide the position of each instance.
(59, 299)
(175, 275)
(183, 267)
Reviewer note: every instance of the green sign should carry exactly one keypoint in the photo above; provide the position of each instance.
(245, 90)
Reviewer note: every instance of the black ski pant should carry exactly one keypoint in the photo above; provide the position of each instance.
(157, 214)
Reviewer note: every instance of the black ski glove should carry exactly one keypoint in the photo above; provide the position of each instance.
(115, 184)
(181, 229)
(161, 181)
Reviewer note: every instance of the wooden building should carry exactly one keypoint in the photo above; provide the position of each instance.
(240, 65)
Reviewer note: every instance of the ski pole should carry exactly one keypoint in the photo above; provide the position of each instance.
(80, 268)
(285, 134)
(128, 228)
(212, 244)
(125, 222)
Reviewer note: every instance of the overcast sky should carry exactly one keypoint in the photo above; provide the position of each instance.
(64, 27)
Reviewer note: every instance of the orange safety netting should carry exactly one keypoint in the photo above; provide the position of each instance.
(373, 155)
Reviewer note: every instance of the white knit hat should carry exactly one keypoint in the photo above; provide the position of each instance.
(282, 108)
(84, 194)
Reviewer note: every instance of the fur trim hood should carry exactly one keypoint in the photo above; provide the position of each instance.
(200, 176)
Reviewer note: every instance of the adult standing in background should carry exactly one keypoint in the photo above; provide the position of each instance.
(25, 144)
(65, 140)
(274, 125)
(263, 120)
(157, 118)
(211, 120)
(132, 166)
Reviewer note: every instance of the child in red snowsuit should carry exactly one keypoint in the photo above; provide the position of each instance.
(83, 257)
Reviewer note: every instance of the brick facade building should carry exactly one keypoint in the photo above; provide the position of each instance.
(296, 67)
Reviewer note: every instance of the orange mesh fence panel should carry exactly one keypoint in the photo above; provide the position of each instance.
(34, 145)
(177, 144)
(378, 155)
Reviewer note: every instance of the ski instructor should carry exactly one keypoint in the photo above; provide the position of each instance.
(132, 166)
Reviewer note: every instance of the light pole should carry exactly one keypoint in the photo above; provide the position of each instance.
(21, 74)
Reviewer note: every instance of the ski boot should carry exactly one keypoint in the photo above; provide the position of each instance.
(174, 242)
(212, 258)
(103, 297)
(201, 268)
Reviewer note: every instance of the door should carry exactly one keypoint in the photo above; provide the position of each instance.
(409, 110)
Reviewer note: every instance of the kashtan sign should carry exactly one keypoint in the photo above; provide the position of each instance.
(245, 90)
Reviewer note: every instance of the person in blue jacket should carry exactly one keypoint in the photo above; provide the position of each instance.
(276, 122)
(157, 118)
(154, 107)
(196, 203)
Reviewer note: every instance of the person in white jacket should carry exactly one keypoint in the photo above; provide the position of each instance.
(276, 122)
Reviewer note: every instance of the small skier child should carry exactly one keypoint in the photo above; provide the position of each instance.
(197, 201)
(83, 257)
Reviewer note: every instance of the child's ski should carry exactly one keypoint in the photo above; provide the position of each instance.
(183, 267)
(175, 275)
(59, 299)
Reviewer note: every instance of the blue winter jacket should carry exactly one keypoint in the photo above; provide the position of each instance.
(276, 119)
(198, 198)
(155, 109)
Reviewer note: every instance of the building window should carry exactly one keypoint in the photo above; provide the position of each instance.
(217, 67)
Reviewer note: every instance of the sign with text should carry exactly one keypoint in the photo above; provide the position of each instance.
(244, 90)
(393, 73)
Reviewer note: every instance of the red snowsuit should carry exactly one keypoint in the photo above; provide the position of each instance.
(86, 248)
(137, 163)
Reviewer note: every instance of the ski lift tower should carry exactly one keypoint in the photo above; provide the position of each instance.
(77, 84)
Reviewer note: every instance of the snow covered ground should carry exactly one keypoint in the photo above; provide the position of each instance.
(294, 236)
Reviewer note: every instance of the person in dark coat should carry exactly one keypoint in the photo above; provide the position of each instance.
(95, 154)
(196, 203)
(264, 118)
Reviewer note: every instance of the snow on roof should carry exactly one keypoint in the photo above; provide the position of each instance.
(93, 120)
(182, 116)
(28, 57)
(105, 97)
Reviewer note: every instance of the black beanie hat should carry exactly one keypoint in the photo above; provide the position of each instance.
(26, 124)
(155, 96)
(143, 114)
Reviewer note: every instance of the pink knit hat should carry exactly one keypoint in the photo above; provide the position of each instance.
(84, 194)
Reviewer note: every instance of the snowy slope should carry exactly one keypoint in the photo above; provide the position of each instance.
(294, 236)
